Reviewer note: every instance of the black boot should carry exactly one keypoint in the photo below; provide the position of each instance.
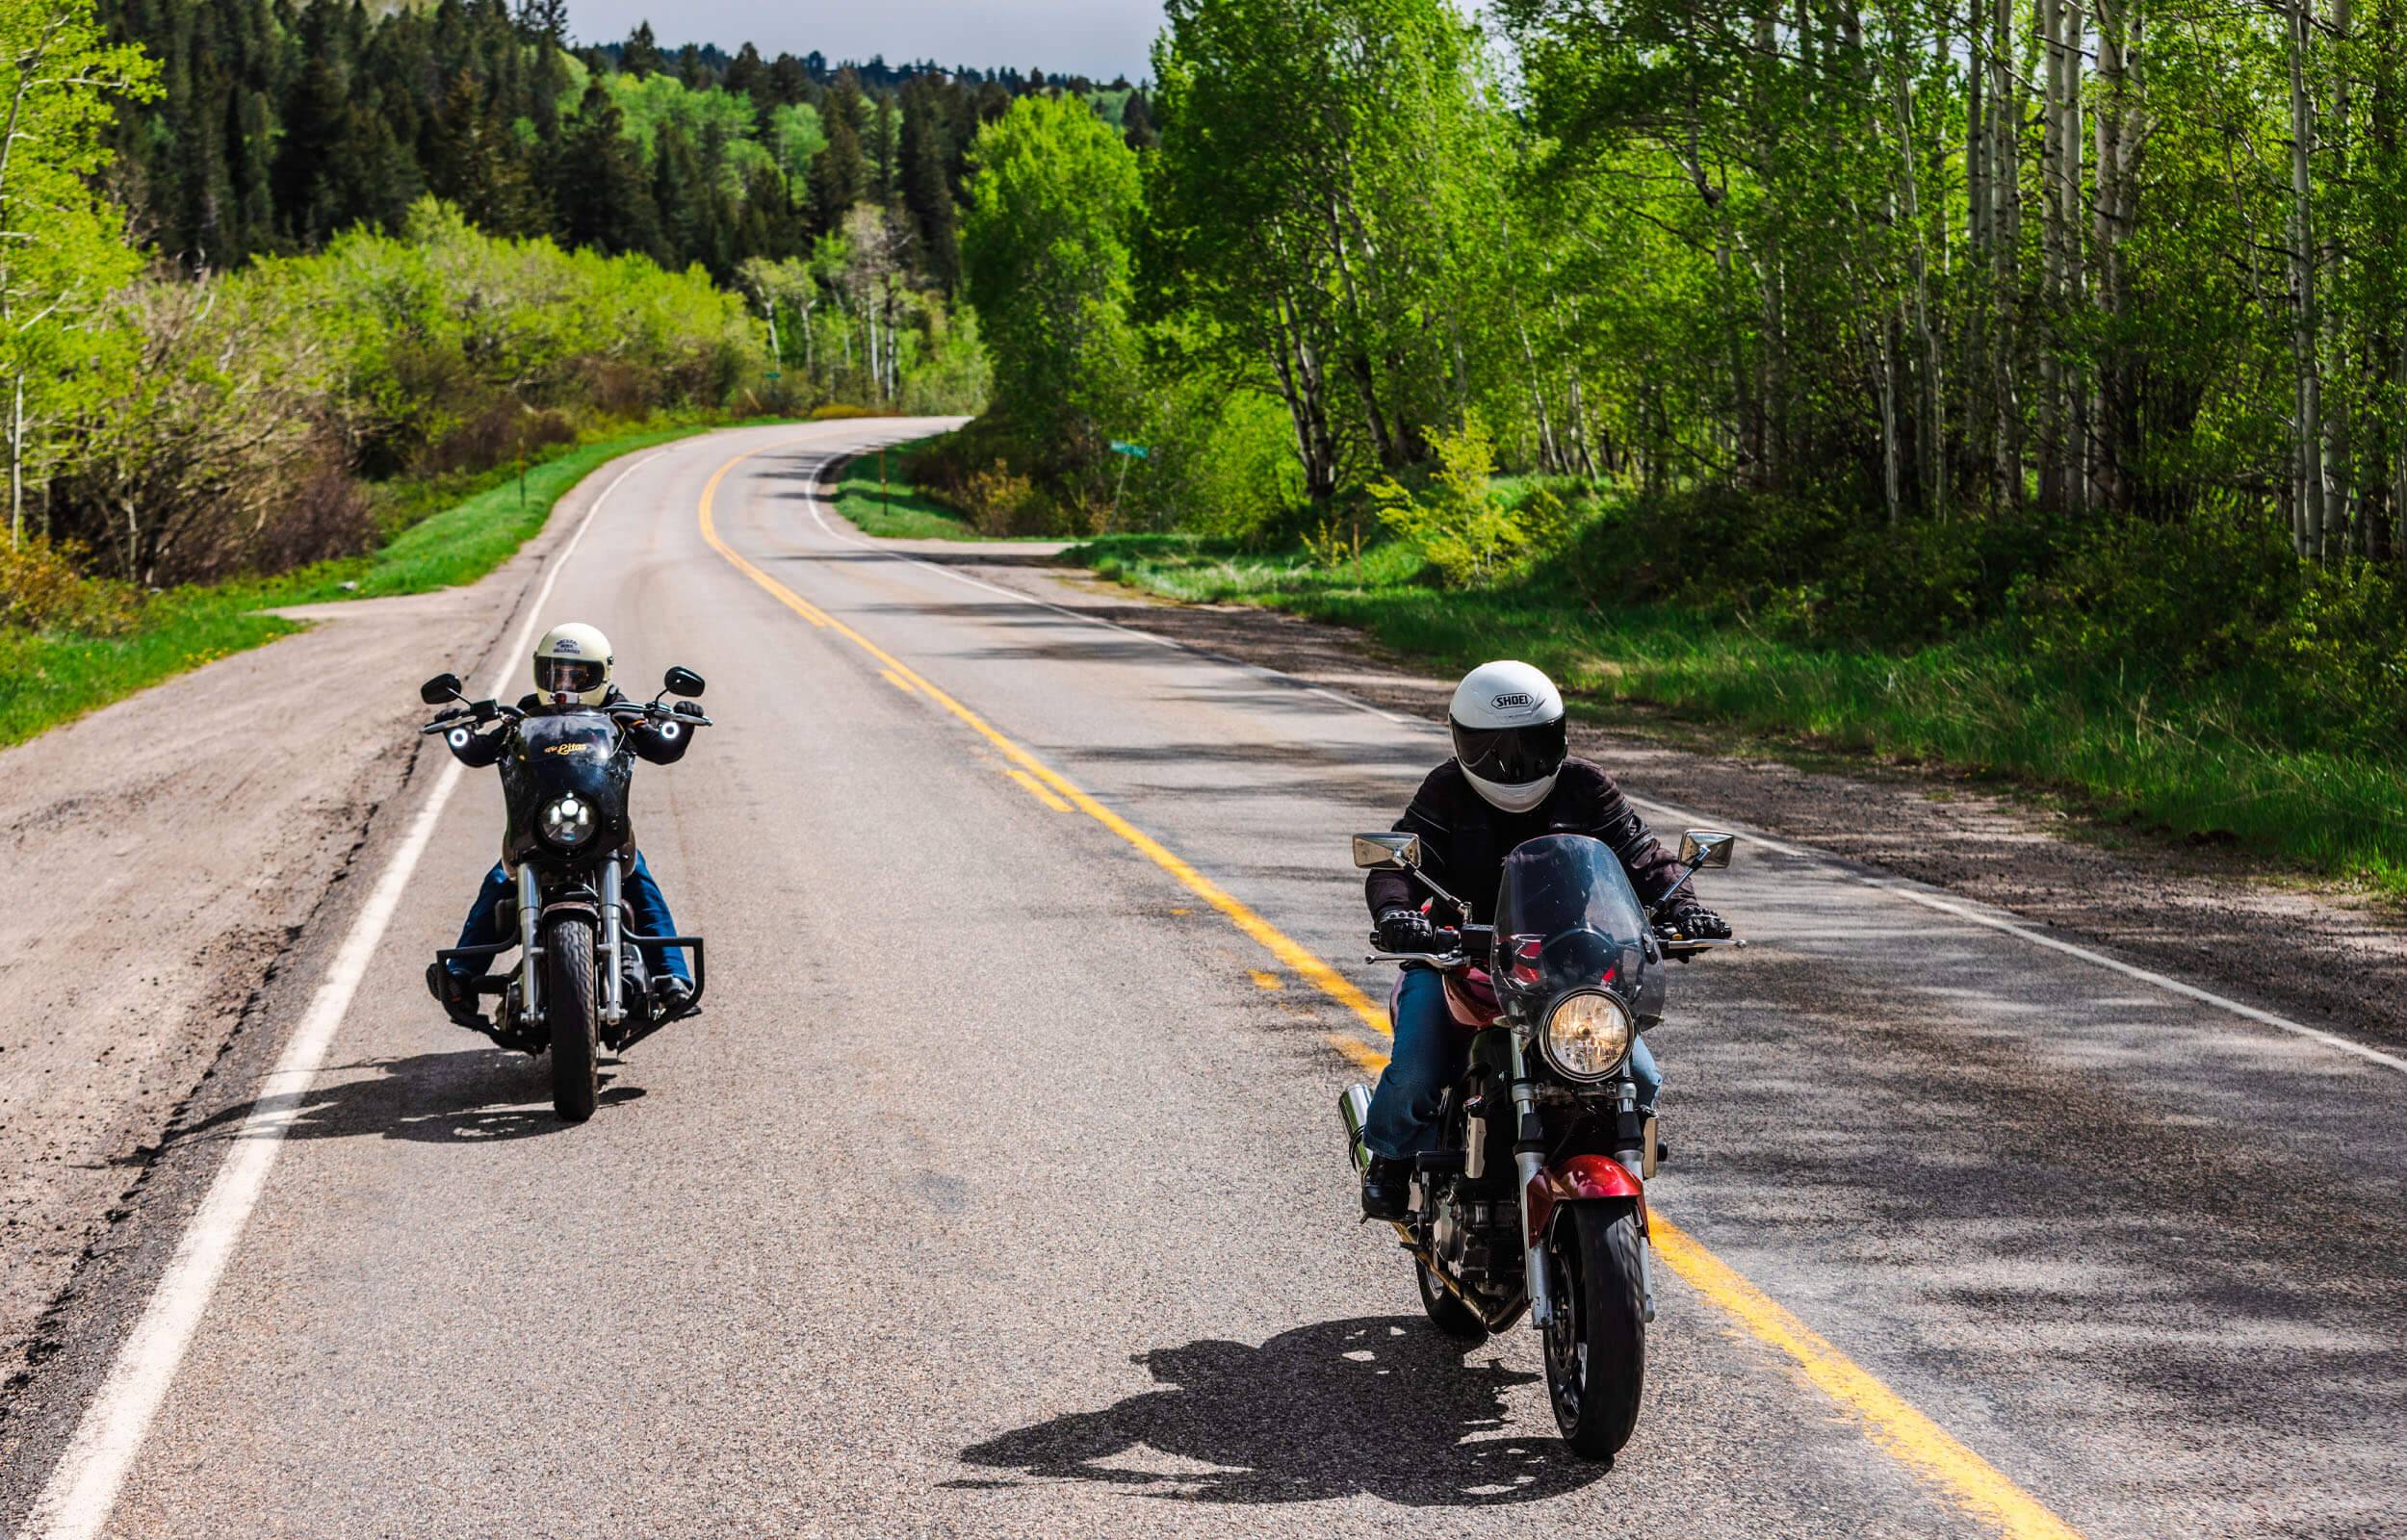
(456, 995)
(1387, 1188)
(670, 996)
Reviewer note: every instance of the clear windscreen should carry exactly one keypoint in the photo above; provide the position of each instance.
(1567, 917)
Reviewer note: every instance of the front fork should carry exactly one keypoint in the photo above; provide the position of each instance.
(529, 945)
(1529, 1163)
(613, 927)
(1529, 1151)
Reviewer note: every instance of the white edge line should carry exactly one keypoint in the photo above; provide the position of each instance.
(1895, 888)
(83, 1487)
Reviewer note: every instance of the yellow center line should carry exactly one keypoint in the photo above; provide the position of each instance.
(1337, 985)
(1970, 1483)
(1038, 789)
(1268, 981)
(896, 680)
(1367, 1058)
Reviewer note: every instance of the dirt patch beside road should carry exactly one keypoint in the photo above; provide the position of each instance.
(162, 855)
(2318, 954)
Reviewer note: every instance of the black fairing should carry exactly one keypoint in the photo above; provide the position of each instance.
(576, 752)
(1566, 919)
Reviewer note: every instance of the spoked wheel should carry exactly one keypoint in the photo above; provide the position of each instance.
(1597, 1346)
(1447, 1312)
(570, 1011)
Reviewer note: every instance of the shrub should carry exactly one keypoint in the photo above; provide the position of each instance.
(1000, 501)
(42, 590)
(1459, 525)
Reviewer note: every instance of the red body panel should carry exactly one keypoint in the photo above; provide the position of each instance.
(1580, 1177)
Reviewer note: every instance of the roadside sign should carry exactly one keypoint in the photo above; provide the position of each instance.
(1134, 451)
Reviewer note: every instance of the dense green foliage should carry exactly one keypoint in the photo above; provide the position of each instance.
(258, 401)
(282, 123)
(71, 643)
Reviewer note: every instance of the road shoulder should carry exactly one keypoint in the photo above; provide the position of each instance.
(169, 855)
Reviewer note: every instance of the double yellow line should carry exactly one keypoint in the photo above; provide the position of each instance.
(1963, 1477)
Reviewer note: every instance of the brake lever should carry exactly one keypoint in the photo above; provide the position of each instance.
(1442, 961)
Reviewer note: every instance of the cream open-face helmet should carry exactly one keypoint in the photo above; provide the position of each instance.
(1509, 734)
(573, 665)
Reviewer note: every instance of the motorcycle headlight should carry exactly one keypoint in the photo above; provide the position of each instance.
(1587, 1035)
(567, 822)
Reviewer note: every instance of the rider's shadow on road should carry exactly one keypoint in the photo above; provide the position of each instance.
(472, 1097)
(1381, 1405)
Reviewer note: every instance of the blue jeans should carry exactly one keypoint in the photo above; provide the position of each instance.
(1432, 1049)
(494, 919)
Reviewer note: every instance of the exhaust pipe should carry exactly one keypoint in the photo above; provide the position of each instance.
(1354, 1107)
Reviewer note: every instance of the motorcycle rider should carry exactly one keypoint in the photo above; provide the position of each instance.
(571, 674)
(1511, 781)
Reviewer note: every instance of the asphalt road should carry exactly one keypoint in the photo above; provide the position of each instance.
(999, 1189)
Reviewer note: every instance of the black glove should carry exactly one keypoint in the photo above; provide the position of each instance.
(1693, 922)
(1406, 930)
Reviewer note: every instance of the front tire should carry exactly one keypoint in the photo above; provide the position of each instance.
(571, 1010)
(1596, 1345)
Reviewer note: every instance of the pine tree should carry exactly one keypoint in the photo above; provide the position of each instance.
(544, 21)
(476, 162)
(840, 176)
(1136, 123)
(641, 55)
(600, 196)
(927, 190)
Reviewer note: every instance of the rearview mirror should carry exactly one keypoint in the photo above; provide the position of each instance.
(439, 689)
(1387, 853)
(683, 681)
(1706, 849)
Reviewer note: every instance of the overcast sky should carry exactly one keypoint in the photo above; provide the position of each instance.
(1097, 38)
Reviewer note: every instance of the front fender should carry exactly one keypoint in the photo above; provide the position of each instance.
(1580, 1178)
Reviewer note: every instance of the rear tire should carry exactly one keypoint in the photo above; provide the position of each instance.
(1447, 1312)
(1596, 1345)
(570, 1011)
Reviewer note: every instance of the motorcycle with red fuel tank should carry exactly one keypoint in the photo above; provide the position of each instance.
(1536, 1199)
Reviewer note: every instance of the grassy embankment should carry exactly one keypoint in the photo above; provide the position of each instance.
(886, 502)
(446, 533)
(2198, 762)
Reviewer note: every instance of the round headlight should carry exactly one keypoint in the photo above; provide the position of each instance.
(1587, 1035)
(567, 822)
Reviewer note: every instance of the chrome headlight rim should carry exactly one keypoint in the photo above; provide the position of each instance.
(566, 822)
(1622, 1016)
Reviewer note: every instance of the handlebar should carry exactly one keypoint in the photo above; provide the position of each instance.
(655, 711)
(1461, 956)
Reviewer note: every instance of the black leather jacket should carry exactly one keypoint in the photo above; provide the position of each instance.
(1465, 839)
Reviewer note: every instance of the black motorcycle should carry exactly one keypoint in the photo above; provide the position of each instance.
(581, 986)
(1536, 1199)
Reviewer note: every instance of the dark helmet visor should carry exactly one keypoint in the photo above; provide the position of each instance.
(1511, 757)
(566, 675)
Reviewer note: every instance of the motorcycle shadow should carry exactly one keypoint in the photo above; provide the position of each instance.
(1378, 1406)
(475, 1097)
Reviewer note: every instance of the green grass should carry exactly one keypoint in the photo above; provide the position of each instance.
(900, 510)
(2195, 765)
(50, 677)
(895, 508)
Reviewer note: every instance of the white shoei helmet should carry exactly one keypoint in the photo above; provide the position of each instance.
(1509, 734)
(573, 665)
